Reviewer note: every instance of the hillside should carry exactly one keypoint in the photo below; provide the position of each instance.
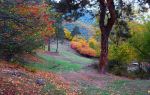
(64, 73)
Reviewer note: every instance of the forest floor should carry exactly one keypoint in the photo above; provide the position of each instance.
(63, 73)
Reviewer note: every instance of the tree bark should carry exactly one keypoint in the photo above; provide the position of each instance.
(105, 31)
(49, 42)
(57, 44)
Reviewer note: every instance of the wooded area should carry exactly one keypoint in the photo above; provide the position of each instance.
(56, 44)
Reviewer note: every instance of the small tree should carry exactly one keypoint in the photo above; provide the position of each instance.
(75, 31)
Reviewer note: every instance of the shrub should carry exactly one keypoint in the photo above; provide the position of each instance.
(76, 45)
(141, 43)
(87, 51)
(120, 56)
(81, 46)
(123, 53)
(67, 34)
(94, 45)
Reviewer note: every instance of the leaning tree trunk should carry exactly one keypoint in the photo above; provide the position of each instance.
(105, 31)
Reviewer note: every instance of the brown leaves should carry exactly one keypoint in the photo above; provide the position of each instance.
(58, 81)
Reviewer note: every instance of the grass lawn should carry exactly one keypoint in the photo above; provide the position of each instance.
(52, 64)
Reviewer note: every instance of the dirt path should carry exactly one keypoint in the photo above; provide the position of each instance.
(88, 74)
(91, 76)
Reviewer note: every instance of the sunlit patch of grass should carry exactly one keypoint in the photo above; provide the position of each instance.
(55, 65)
(70, 56)
(76, 58)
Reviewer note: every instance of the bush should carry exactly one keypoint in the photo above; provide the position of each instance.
(76, 45)
(94, 45)
(87, 51)
(141, 43)
(81, 46)
(67, 34)
(120, 56)
(123, 53)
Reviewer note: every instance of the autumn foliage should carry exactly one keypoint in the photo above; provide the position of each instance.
(68, 35)
(81, 46)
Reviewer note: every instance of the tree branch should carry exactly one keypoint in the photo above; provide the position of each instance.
(102, 14)
(112, 19)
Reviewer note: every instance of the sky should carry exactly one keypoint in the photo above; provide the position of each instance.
(136, 7)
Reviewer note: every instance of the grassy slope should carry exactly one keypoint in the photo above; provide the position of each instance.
(119, 87)
(52, 64)
(73, 57)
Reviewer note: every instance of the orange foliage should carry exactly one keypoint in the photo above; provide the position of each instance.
(26, 10)
(88, 51)
(83, 48)
(34, 10)
(76, 45)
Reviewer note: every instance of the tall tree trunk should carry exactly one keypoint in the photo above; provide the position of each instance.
(49, 42)
(105, 31)
(104, 51)
(57, 44)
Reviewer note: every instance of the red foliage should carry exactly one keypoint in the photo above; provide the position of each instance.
(51, 22)
(49, 28)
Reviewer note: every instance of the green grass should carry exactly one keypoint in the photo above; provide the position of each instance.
(118, 87)
(92, 90)
(55, 65)
(70, 56)
(87, 88)
(75, 58)
(129, 87)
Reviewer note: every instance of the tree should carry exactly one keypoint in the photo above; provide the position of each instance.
(141, 42)
(73, 9)
(59, 35)
(20, 28)
(75, 31)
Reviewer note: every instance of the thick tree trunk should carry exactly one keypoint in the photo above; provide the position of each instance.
(104, 51)
(105, 31)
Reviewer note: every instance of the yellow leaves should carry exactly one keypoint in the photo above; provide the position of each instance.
(123, 53)
(94, 45)
(67, 34)
(48, 32)
(136, 27)
(92, 42)
(81, 45)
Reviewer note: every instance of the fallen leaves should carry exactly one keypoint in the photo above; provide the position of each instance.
(58, 81)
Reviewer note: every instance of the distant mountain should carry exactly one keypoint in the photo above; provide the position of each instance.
(85, 24)
(88, 19)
